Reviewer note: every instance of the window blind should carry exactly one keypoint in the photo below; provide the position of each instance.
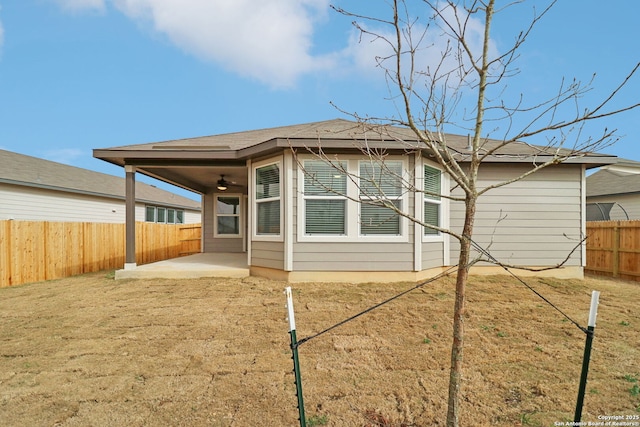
(268, 220)
(431, 216)
(432, 182)
(268, 182)
(325, 216)
(324, 179)
(379, 219)
(381, 180)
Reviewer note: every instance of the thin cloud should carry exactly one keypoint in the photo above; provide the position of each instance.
(266, 40)
(64, 155)
(372, 52)
(270, 41)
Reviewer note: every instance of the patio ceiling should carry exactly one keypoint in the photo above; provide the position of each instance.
(200, 179)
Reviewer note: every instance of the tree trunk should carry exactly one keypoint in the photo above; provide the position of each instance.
(455, 374)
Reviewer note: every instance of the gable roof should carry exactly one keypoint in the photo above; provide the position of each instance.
(20, 169)
(623, 177)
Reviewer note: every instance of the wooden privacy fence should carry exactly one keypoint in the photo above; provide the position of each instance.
(613, 249)
(32, 251)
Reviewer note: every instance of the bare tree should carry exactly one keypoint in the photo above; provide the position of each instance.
(431, 96)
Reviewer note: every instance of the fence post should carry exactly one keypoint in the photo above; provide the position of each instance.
(296, 362)
(591, 326)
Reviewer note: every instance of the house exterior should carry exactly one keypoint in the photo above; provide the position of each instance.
(613, 192)
(292, 229)
(34, 189)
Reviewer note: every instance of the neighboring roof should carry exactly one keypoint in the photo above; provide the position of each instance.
(194, 162)
(622, 163)
(623, 177)
(20, 169)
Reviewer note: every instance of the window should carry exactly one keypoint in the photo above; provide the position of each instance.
(150, 214)
(329, 195)
(163, 215)
(267, 193)
(325, 206)
(227, 211)
(380, 186)
(432, 199)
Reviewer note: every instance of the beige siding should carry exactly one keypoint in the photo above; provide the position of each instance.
(354, 256)
(267, 254)
(432, 255)
(629, 202)
(533, 222)
(210, 242)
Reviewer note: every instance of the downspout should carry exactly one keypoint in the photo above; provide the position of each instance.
(249, 208)
(418, 211)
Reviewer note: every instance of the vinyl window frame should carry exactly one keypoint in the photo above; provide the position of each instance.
(442, 202)
(391, 198)
(217, 214)
(308, 196)
(255, 201)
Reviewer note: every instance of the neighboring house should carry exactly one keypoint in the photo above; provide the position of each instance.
(292, 231)
(613, 192)
(40, 190)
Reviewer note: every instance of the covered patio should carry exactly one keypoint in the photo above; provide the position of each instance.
(218, 264)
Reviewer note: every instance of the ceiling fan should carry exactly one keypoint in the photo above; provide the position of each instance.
(223, 184)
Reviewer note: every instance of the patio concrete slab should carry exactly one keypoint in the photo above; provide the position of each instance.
(222, 264)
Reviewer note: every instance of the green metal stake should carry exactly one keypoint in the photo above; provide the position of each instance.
(591, 326)
(296, 362)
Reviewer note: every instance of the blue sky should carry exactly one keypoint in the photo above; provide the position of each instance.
(82, 74)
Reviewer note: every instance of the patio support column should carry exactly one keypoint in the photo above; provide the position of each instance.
(130, 217)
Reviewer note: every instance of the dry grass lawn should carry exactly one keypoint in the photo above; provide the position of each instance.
(90, 351)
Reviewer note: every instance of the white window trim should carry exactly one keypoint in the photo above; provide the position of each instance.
(443, 202)
(254, 202)
(352, 226)
(403, 198)
(239, 215)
